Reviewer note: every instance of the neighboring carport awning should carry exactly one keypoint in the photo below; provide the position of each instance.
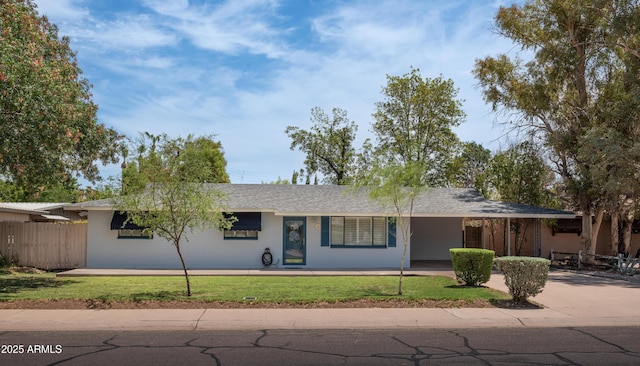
(247, 221)
(55, 217)
(118, 222)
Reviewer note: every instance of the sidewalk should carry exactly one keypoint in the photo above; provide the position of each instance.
(569, 299)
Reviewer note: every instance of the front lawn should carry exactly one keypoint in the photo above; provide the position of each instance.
(265, 290)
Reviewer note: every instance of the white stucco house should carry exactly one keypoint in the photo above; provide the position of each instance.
(304, 226)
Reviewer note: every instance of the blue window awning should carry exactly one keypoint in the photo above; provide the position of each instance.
(118, 222)
(247, 221)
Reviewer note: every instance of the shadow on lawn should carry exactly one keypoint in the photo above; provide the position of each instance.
(13, 285)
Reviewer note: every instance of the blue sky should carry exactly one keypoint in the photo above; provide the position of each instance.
(245, 70)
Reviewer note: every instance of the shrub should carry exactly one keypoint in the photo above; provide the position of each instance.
(472, 266)
(524, 276)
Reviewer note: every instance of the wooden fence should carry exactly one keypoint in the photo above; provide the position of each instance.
(44, 245)
(620, 263)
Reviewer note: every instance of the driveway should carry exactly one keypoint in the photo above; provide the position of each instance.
(584, 296)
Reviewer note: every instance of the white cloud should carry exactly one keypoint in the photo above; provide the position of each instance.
(149, 77)
(62, 10)
(231, 27)
(130, 32)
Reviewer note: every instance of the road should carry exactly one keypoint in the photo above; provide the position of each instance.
(493, 346)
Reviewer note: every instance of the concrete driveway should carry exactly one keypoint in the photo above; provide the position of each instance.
(584, 296)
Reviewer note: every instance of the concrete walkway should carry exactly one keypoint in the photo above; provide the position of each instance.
(569, 300)
(431, 271)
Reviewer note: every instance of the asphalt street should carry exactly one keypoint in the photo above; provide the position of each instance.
(488, 346)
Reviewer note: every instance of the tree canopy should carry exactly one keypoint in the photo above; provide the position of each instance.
(414, 123)
(48, 122)
(468, 167)
(197, 160)
(583, 69)
(328, 145)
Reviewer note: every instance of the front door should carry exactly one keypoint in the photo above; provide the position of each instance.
(294, 240)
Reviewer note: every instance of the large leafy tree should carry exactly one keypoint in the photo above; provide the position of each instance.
(581, 52)
(48, 122)
(467, 168)
(415, 144)
(611, 148)
(199, 159)
(328, 145)
(174, 202)
(413, 124)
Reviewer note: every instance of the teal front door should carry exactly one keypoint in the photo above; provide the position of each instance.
(294, 240)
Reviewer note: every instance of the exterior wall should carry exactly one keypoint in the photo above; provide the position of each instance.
(204, 250)
(496, 241)
(431, 240)
(570, 242)
(560, 242)
(332, 257)
(13, 216)
(209, 250)
(433, 237)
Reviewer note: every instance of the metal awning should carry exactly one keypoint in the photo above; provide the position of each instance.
(247, 221)
(55, 217)
(118, 222)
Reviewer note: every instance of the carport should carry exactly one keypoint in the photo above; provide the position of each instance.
(462, 218)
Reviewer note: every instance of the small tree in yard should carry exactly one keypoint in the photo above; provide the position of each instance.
(174, 203)
(397, 186)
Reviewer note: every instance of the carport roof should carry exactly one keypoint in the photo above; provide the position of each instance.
(327, 200)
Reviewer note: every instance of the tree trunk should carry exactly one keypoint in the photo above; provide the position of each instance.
(590, 232)
(615, 234)
(521, 227)
(596, 228)
(493, 234)
(405, 243)
(518, 236)
(184, 268)
(404, 254)
(627, 226)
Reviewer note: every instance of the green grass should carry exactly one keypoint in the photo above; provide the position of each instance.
(266, 289)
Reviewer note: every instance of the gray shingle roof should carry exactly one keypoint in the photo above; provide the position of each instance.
(321, 200)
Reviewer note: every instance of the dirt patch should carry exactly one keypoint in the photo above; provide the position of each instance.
(196, 304)
(510, 304)
(14, 270)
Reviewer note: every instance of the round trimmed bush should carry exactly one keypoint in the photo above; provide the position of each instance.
(472, 266)
(524, 276)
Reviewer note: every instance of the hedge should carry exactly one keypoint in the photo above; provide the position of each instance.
(524, 276)
(472, 266)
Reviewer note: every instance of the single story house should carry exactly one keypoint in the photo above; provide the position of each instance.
(303, 226)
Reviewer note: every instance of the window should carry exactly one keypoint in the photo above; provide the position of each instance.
(358, 231)
(241, 234)
(127, 229)
(246, 227)
(134, 234)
